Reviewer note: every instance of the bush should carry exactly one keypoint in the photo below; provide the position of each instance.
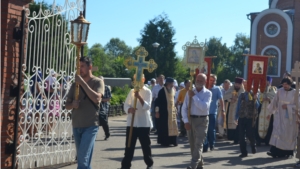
(119, 95)
(114, 100)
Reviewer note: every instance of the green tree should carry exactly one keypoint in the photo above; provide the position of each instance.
(85, 50)
(229, 62)
(181, 73)
(160, 30)
(237, 60)
(101, 60)
(116, 47)
(219, 66)
(120, 69)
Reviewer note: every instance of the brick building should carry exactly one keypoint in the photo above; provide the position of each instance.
(11, 11)
(274, 32)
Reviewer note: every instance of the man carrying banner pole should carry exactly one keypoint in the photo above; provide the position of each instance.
(138, 102)
(264, 126)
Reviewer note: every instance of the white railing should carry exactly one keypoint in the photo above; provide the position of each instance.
(45, 125)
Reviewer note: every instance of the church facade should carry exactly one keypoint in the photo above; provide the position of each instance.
(276, 31)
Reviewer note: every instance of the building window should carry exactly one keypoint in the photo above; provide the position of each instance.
(272, 29)
(273, 62)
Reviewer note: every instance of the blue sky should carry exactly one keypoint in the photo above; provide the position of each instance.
(125, 19)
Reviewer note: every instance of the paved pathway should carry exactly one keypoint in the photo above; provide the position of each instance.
(108, 154)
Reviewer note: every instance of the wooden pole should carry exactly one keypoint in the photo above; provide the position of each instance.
(192, 73)
(77, 72)
(255, 110)
(131, 126)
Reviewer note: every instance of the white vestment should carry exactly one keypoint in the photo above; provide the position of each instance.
(263, 122)
(285, 127)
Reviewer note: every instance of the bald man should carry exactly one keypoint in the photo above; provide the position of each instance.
(197, 124)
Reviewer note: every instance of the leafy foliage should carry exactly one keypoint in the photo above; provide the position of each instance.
(160, 30)
(116, 48)
(181, 73)
(229, 62)
(119, 95)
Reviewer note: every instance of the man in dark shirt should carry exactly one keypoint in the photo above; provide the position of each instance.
(245, 113)
(103, 113)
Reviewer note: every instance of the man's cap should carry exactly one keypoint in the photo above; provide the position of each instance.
(170, 80)
(239, 80)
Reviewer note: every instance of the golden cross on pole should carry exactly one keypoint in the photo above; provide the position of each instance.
(193, 58)
(140, 64)
(296, 73)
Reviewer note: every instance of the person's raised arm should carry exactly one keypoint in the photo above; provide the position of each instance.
(94, 94)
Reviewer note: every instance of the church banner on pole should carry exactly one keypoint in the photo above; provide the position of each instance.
(206, 69)
(193, 58)
(257, 72)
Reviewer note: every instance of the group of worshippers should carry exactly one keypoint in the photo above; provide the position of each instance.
(266, 117)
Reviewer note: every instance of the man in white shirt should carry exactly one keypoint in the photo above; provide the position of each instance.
(160, 84)
(197, 124)
(141, 126)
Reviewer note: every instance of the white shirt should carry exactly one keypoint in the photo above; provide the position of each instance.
(142, 115)
(200, 104)
(155, 91)
(176, 95)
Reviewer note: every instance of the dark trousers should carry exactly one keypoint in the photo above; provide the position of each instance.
(211, 133)
(246, 129)
(143, 133)
(153, 115)
(105, 127)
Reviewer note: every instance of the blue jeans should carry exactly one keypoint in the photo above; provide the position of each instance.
(84, 142)
(211, 133)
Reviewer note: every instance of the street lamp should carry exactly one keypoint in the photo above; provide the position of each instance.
(79, 34)
(155, 45)
(246, 51)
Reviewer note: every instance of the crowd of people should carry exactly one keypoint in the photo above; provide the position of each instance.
(239, 115)
(199, 113)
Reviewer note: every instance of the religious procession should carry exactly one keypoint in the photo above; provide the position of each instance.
(254, 111)
(105, 106)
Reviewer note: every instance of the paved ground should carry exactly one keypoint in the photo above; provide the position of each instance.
(108, 154)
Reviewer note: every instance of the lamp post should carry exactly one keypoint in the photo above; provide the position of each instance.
(155, 45)
(79, 34)
(246, 51)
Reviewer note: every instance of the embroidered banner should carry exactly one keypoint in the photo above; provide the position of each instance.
(257, 72)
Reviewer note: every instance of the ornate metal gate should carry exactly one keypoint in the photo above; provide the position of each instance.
(45, 124)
